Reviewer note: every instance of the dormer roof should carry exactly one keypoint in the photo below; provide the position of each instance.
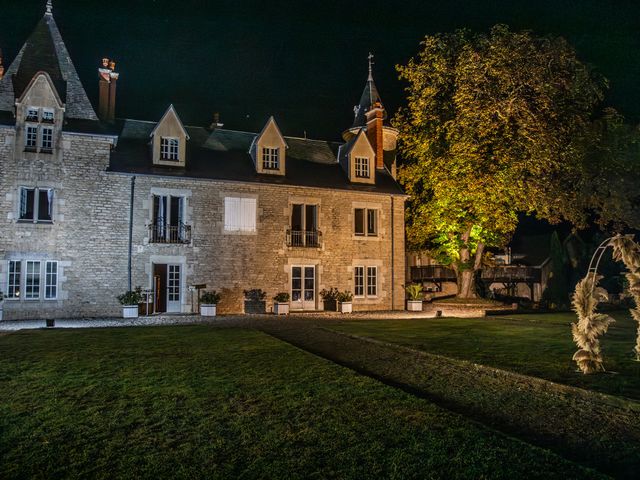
(271, 123)
(368, 99)
(170, 112)
(45, 51)
(49, 80)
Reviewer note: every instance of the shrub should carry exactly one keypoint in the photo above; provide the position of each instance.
(345, 296)
(132, 297)
(282, 297)
(255, 295)
(209, 298)
(414, 291)
(329, 295)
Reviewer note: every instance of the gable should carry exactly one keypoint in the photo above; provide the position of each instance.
(41, 92)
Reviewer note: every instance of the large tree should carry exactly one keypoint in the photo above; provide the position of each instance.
(495, 125)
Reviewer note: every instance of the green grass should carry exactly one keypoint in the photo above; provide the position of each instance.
(533, 344)
(200, 402)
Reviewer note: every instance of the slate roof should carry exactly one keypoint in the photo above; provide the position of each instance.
(368, 99)
(224, 155)
(45, 50)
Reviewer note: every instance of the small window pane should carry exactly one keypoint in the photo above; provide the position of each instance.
(270, 158)
(359, 221)
(47, 138)
(169, 148)
(372, 281)
(31, 137)
(362, 167)
(359, 282)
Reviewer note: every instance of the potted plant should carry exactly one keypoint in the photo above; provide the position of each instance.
(345, 300)
(254, 301)
(330, 299)
(281, 304)
(414, 302)
(1, 303)
(209, 303)
(129, 301)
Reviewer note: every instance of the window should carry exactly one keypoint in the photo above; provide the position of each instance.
(366, 222)
(168, 220)
(31, 137)
(358, 289)
(239, 214)
(32, 114)
(51, 281)
(362, 167)
(13, 283)
(47, 115)
(169, 148)
(372, 281)
(32, 281)
(270, 158)
(36, 204)
(46, 141)
(304, 226)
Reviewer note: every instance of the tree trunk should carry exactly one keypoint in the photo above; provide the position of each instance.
(466, 272)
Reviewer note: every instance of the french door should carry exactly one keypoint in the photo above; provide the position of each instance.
(303, 287)
(174, 279)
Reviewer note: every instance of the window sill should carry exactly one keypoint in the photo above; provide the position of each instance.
(48, 151)
(41, 222)
(31, 149)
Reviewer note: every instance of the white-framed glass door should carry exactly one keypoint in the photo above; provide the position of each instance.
(303, 287)
(174, 290)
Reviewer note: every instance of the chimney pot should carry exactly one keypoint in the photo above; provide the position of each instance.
(107, 87)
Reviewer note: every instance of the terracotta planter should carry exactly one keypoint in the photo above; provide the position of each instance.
(208, 310)
(130, 311)
(281, 308)
(346, 307)
(414, 305)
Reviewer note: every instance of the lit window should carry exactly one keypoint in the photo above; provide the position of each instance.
(372, 281)
(358, 289)
(169, 148)
(46, 142)
(366, 222)
(32, 281)
(270, 158)
(31, 137)
(51, 281)
(362, 167)
(36, 204)
(239, 214)
(13, 282)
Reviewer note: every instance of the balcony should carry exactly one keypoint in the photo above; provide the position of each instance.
(303, 238)
(161, 233)
(433, 273)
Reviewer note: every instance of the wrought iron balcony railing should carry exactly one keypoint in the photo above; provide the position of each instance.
(303, 238)
(162, 233)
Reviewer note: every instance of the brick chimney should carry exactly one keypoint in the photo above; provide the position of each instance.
(107, 90)
(375, 132)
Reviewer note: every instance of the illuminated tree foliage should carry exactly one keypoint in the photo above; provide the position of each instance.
(495, 125)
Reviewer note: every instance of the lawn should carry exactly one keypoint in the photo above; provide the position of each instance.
(533, 344)
(201, 402)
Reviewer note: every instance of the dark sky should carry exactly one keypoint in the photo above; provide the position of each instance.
(304, 61)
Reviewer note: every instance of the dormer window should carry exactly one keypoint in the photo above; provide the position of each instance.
(362, 167)
(169, 149)
(47, 115)
(271, 158)
(32, 114)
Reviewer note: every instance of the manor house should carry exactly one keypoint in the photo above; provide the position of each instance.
(92, 205)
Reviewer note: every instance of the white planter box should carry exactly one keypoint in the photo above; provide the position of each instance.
(346, 307)
(281, 308)
(414, 305)
(130, 311)
(208, 310)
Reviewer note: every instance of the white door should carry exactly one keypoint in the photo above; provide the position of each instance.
(173, 288)
(303, 287)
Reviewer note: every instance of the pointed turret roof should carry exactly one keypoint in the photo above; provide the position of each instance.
(369, 98)
(45, 51)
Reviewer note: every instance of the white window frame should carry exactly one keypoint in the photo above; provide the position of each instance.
(14, 280)
(170, 149)
(50, 280)
(46, 138)
(240, 214)
(372, 281)
(362, 167)
(31, 136)
(36, 275)
(48, 115)
(365, 220)
(36, 204)
(270, 158)
(33, 114)
(359, 287)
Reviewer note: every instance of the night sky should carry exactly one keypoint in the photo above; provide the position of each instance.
(304, 62)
